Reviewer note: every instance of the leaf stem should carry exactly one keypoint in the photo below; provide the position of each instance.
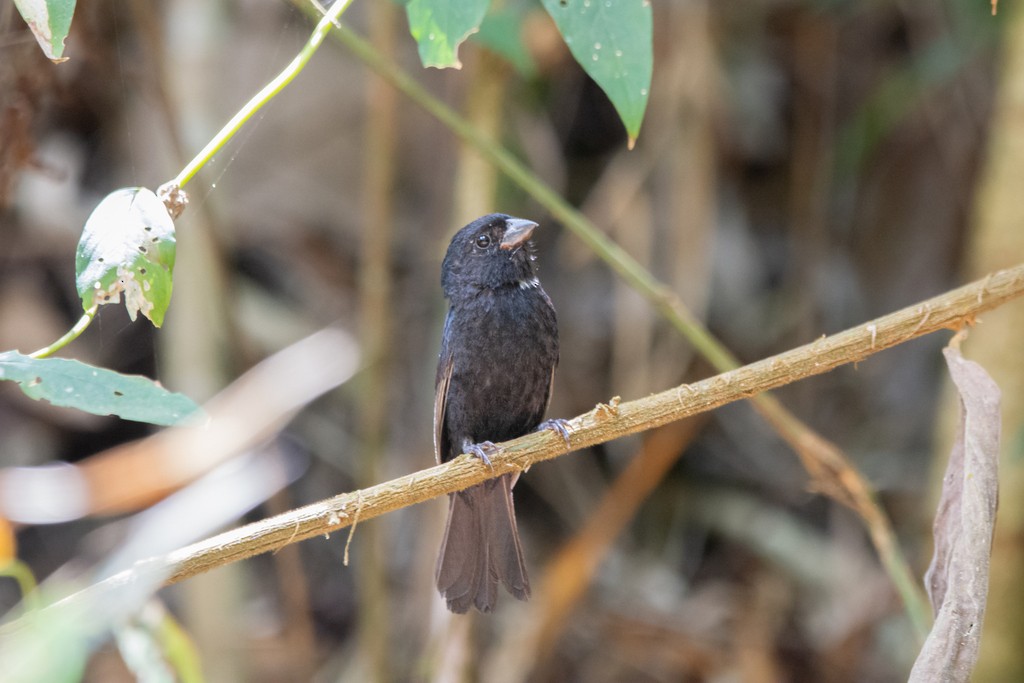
(69, 336)
(269, 91)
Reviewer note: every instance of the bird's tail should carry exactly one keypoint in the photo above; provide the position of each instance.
(481, 547)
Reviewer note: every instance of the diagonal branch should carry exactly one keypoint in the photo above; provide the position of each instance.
(827, 465)
(605, 422)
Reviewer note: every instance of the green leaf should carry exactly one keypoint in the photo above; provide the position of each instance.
(180, 650)
(611, 39)
(128, 247)
(72, 384)
(501, 32)
(50, 21)
(440, 26)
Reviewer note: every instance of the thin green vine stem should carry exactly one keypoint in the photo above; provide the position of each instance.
(269, 91)
(69, 336)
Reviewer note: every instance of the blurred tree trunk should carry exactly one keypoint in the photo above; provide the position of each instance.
(193, 349)
(997, 241)
(375, 321)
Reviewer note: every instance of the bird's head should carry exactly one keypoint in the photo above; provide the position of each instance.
(491, 252)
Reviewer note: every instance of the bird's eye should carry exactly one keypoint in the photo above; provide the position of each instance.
(483, 241)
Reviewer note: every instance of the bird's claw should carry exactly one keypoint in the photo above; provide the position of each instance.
(559, 426)
(482, 450)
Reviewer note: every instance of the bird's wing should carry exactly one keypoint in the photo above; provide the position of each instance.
(444, 378)
(551, 382)
(551, 389)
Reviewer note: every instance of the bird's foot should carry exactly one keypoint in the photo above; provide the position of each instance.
(559, 426)
(482, 450)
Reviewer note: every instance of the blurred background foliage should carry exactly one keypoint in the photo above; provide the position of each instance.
(803, 167)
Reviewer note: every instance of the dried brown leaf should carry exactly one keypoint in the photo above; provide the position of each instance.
(957, 580)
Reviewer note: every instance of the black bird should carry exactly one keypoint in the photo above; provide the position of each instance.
(494, 375)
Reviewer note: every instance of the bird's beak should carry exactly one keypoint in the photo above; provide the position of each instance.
(517, 231)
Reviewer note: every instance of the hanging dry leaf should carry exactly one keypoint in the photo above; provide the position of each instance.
(957, 580)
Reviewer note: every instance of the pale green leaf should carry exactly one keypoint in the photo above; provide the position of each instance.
(128, 247)
(50, 21)
(72, 384)
(440, 26)
(611, 39)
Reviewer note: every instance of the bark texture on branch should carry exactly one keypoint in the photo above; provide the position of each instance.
(607, 421)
